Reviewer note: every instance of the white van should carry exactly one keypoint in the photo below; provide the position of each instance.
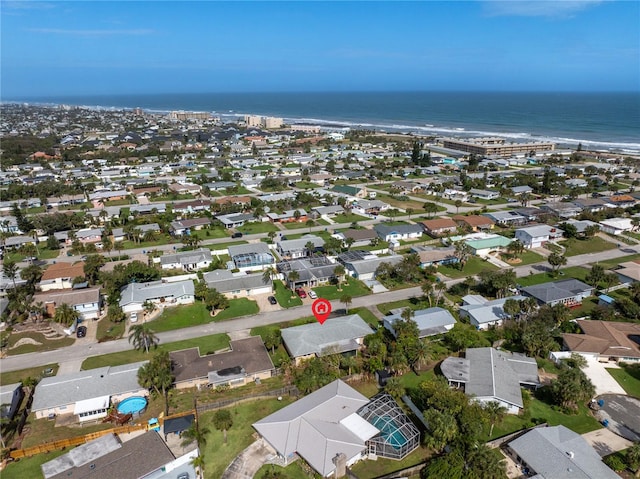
(134, 317)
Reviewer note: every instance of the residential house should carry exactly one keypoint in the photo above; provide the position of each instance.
(344, 334)
(289, 216)
(356, 191)
(178, 228)
(398, 232)
(329, 211)
(538, 235)
(163, 294)
(334, 427)
(235, 285)
(87, 302)
(569, 292)
(621, 201)
(440, 227)
(149, 209)
(107, 456)
(185, 188)
(363, 265)
(616, 226)
(61, 276)
(193, 206)
(455, 195)
(311, 271)
(605, 340)
(506, 218)
(187, 260)
(484, 194)
(246, 362)
(581, 225)
(356, 237)
(474, 222)
(628, 272)
(430, 321)
(520, 190)
(489, 243)
(488, 374)
(557, 451)
(233, 200)
(86, 394)
(297, 248)
(407, 186)
(562, 210)
(220, 185)
(10, 399)
(235, 220)
(120, 235)
(254, 256)
(89, 235)
(482, 312)
(430, 256)
(369, 207)
(590, 205)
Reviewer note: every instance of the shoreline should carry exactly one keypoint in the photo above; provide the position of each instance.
(380, 127)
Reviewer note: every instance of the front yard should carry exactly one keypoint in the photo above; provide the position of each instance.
(629, 378)
(474, 266)
(596, 244)
(577, 272)
(349, 218)
(197, 313)
(528, 257)
(35, 342)
(352, 287)
(257, 227)
(284, 296)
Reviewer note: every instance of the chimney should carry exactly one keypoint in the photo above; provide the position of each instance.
(340, 460)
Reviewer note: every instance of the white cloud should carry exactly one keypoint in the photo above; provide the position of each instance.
(537, 8)
(95, 33)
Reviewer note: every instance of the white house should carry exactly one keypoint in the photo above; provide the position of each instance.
(482, 312)
(616, 226)
(536, 236)
(134, 295)
(187, 260)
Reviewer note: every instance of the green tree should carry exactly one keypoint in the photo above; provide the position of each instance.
(66, 315)
(556, 261)
(223, 421)
(143, 337)
(462, 253)
(149, 307)
(443, 428)
(195, 433)
(156, 375)
(596, 275)
(10, 270)
(293, 277)
(512, 307)
(268, 275)
(495, 412)
(272, 339)
(516, 248)
(115, 314)
(339, 272)
(633, 458)
(571, 388)
(346, 300)
(92, 266)
(569, 230)
(215, 300)
(394, 387)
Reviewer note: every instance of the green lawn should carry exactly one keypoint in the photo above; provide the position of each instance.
(283, 295)
(44, 343)
(412, 303)
(222, 246)
(29, 467)
(352, 287)
(197, 313)
(577, 272)
(628, 378)
(296, 226)
(322, 234)
(592, 245)
(292, 471)
(211, 233)
(122, 202)
(217, 455)
(474, 266)
(11, 377)
(371, 469)
(367, 315)
(109, 331)
(610, 263)
(528, 257)
(280, 354)
(349, 218)
(207, 345)
(257, 227)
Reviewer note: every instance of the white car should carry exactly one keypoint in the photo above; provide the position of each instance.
(134, 317)
(312, 294)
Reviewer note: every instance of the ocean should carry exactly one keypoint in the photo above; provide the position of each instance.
(597, 120)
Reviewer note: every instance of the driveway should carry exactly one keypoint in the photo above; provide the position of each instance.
(601, 379)
(606, 442)
(247, 463)
(623, 414)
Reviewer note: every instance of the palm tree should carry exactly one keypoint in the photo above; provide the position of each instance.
(394, 387)
(495, 411)
(196, 433)
(149, 307)
(346, 300)
(427, 290)
(292, 277)
(268, 275)
(10, 270)
(66, 315)
(440, 289)
(310, 247)
(143, 337)
(556, 261)
(222, 421)
(198, 464)
(339, 272)
(515, 248)
(458, 204)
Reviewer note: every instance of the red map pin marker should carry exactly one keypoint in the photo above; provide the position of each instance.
(321, 309)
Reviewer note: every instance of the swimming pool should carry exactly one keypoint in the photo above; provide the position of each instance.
(390, 431)
(133, 405)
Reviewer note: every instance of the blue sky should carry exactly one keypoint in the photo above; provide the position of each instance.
(105, 47)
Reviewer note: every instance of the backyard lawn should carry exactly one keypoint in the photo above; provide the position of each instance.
(257, 227)
(207, 345)
(197, 313)
(352, 288)
(592, 245)
(30, 466)
(371, 469)
(349, 218)
(629, 378)
(284, 297)
(474, 266)
(292, 471)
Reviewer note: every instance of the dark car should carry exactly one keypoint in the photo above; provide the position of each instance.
(81, 332)
(236, 235)
(272, 300)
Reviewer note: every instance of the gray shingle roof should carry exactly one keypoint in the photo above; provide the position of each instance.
(430, 321)
(484, 311)
(559, 453)
(225, 281)
(187, 257)
(316, 338)
(70, 388)
(248, 249)
(557, 290)
(141, 292)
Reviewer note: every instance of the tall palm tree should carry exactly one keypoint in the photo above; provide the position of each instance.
(66, 315)
(346, 300)
(268, 275)
(293, 277)
(339, 272)
(495, 411)
(10, 270)
(143, 337)
(222, 421)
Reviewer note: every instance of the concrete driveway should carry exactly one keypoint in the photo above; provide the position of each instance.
(601, 379)
(606, 442)
(247, 463)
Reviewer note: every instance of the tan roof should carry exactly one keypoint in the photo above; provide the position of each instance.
(358, 235)
(233, 200)
(608, 338)
(437, 254)
(439, 223)
(63, 270)
(73, 297)
(630, 269)
(473, 220)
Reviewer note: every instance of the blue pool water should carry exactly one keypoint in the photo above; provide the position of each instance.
(133, 405)
(390, 431)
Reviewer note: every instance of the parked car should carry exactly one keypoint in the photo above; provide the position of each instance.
(312, 294)
(236, 235)
(301, 292)
(81, 332)
(272, 300)
(183, 475)
(134, 317)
